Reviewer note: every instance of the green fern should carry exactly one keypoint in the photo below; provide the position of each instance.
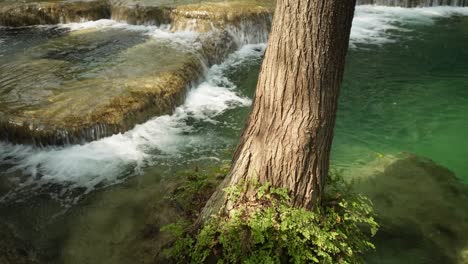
(270, 230)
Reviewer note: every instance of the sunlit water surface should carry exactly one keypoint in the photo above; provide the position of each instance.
(405, 90)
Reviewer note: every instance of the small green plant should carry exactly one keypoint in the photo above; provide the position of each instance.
(267, 229)
(183, 244)
(194, 189)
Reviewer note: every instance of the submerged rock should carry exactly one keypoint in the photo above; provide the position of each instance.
(422, 209)
(14, 250)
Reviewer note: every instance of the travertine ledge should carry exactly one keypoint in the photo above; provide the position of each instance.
(59, 105)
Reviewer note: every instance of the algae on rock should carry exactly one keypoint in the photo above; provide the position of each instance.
(422, 209)
(103, 88)
(39, 13)
(89, 84)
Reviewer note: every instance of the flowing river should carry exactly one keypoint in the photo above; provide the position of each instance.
(405, 90)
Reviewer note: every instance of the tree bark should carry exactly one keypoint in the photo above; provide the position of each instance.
(288, 136)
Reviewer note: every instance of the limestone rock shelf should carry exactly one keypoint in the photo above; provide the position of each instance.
(15, 13)
(90, 84)
(138, 12)
(59, 87)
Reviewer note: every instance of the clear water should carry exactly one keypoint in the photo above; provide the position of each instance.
(405, 90)
(54, 76)
(409, 96)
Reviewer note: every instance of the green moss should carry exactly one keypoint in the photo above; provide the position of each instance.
(269, 230)
(194, 191)
(221, 14)
(28, 13)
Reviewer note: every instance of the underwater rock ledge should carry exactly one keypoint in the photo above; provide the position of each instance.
(422, 209)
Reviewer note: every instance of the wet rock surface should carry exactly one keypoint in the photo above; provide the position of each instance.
(16, 14)
(91, 84)
(422, 209)
(213, 15)
(136, 12)
(81, 86)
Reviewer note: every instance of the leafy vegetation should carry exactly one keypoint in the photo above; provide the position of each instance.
(267, 229)
(195, 189)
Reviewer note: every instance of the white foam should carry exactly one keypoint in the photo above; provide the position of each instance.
(371, 25)
(109, 159)
(378, 24)
(112, 158)
(161, 32)
(105, 24)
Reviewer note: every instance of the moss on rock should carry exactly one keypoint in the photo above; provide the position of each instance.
(40, 13)
(206, 16)
(66, 100)
(74, 101)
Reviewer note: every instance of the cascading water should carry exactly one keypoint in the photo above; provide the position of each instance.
(124, 151)
(125, 154)
(203, 130)
(121, 109)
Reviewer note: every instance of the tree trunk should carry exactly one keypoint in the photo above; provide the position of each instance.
(288, 136)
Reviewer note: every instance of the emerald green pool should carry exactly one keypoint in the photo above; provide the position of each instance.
(408, 96)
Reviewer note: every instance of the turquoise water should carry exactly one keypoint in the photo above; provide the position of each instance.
(408, 96)
(405, 90)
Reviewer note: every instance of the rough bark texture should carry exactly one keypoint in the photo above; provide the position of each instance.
(289, 133)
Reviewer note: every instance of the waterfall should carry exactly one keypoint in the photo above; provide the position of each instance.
(210, 40)
(221, 29)
(414, 3)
